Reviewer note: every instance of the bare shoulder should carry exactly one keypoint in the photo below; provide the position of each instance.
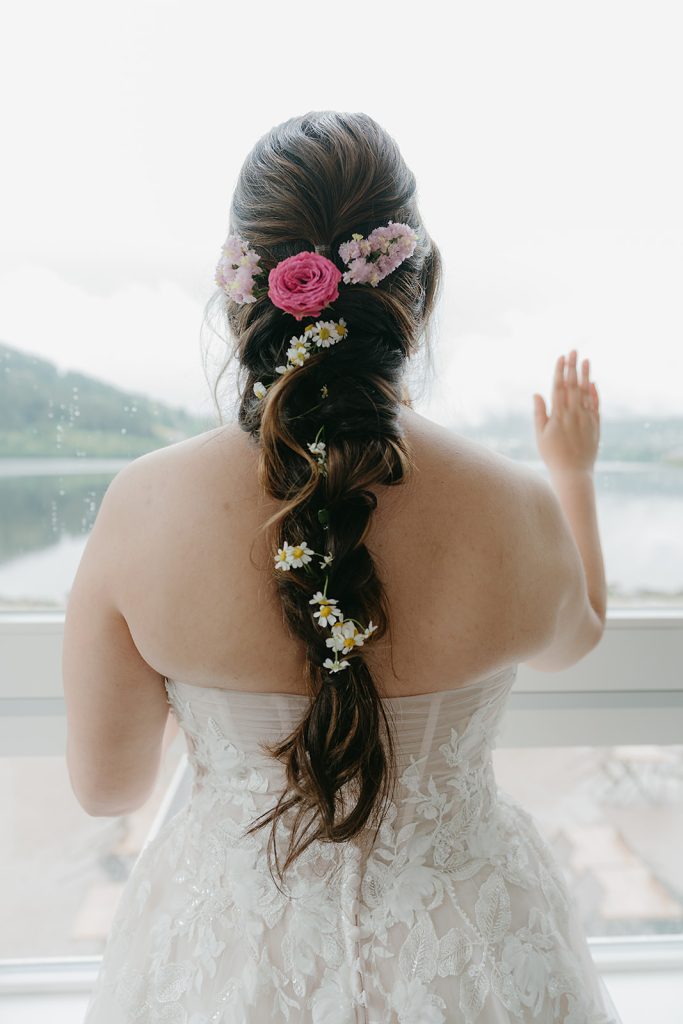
(195, 454)
(468, 465)
(501, 505)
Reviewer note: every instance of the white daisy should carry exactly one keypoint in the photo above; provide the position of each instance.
(341, 328)
(345, 636)
(327, 614)
(282, 369)
(260, 389)
(335, 666)
(335, 641)
(325, 333)
(301, 553)
(317, 448)
(326, 561)
(298, 352)
(369, 629)
(318, 598)
(283, 559)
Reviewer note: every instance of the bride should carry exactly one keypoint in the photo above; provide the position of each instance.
(331, 595)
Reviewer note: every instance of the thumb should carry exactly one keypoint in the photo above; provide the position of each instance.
(540, 415)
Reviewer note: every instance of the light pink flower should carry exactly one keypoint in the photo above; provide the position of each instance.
(236, 269)
(304, 285)
(369, 260)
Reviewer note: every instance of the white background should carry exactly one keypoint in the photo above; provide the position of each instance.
(546, 140)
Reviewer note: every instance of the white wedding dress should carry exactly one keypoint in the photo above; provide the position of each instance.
(457, 912)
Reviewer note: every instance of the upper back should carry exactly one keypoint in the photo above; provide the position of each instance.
(454, 546)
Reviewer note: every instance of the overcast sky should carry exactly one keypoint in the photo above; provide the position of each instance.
(545, 138)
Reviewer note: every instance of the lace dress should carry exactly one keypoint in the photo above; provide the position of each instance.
(457, 912)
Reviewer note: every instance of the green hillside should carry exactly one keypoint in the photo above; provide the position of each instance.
(47, 412)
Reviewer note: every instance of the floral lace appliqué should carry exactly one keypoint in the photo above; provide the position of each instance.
(455, 911)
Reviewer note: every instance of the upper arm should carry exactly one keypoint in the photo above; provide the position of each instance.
(116, 703)
(573, 626)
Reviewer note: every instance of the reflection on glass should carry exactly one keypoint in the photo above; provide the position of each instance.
(62, 871)
(613, 817)
(48, 506)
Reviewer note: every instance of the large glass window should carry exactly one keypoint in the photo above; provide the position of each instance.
(554, 196)
(62, 871)
(549, 175)
(613, 817)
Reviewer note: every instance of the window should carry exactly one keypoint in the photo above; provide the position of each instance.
(554, 196)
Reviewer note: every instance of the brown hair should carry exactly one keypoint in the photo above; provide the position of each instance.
(313, 181)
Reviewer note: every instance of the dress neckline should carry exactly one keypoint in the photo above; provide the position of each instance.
(510, 671)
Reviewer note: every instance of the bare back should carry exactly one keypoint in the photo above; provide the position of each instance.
(452, 546)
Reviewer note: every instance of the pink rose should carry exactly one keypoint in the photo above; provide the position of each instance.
(304, 284)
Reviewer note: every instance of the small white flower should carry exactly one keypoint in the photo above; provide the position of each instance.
(323, 391)
(345, 636)
(317, 448)
(327, 614)
(325, 333)
(298, 352)
(326, 561)
(369, 629)
(335, 641)
(260, 389)
(301, 553)
(335, 666)
(318, 598)
(283, 559)
(282, 369)
(341, 328)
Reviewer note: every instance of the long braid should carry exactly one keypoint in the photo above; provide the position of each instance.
(340, 759)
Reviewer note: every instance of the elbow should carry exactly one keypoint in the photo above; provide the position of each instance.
(98, 804)
(597, 631)
(96, 794)
(99, 807)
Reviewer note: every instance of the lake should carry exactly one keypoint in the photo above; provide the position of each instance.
(48, 507)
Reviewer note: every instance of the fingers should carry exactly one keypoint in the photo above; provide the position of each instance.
(540, 415)
(574, 396)
(595, 398)
(578, 394)
(572, 379)
(585, 386)
(559, 397)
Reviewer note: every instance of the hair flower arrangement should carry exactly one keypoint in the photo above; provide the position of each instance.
(369, 260)
(236, 270)
(322, 334)
(345, 634)
(303, 285)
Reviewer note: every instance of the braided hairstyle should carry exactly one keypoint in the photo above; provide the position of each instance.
(312, 182)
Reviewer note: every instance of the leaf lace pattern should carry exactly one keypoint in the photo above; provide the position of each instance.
(455, 912)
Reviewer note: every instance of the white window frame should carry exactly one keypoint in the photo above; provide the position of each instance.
(628, 690)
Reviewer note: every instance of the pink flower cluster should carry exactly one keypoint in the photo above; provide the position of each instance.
(237, 268)
(370, 259)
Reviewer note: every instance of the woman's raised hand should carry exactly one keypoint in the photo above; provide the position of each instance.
(568, 439)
